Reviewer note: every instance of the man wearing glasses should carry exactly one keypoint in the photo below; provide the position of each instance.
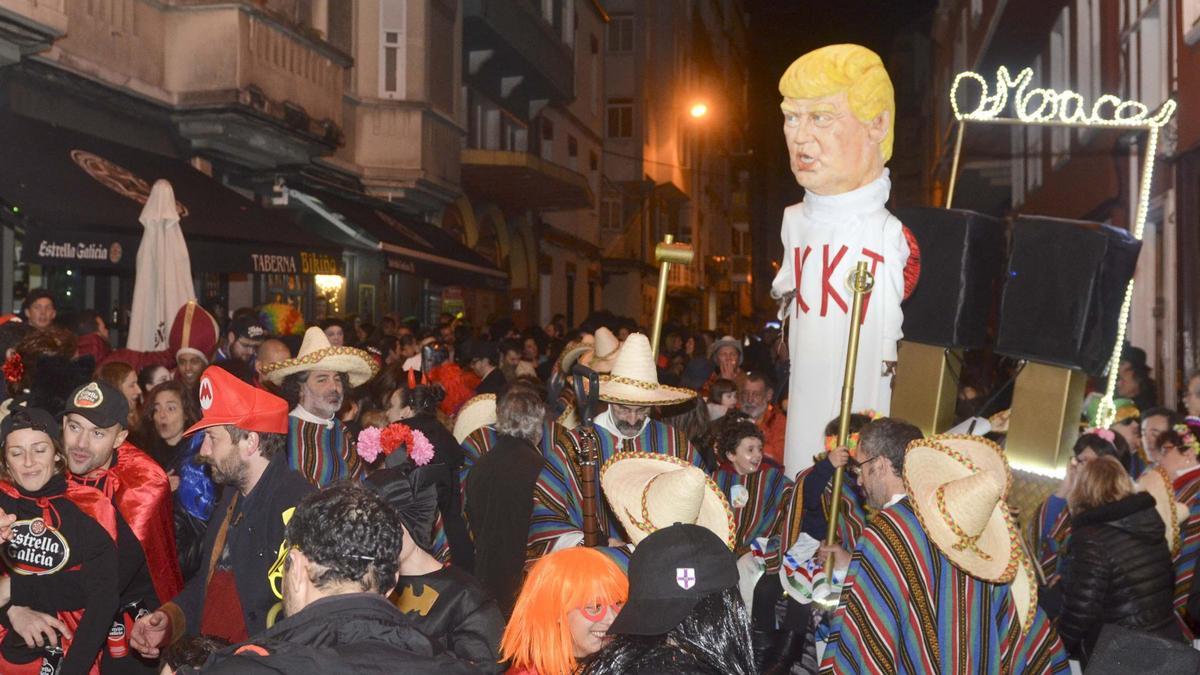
(1154, 422)
(237, 593)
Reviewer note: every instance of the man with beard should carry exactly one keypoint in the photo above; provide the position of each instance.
(242, 339)
(237, 594)
(755, 399)
(314, 384)
(631, 391)
(938, 581)
(98, 456)
(345, 546)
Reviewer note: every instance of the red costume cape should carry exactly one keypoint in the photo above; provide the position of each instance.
(140, 490)
(93, 503)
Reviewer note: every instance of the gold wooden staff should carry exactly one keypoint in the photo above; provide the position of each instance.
(666, 253)
(860, 281)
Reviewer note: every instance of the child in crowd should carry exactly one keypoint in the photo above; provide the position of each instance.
(722, 397)
(806, 510)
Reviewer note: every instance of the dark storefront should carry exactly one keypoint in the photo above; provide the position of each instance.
(71, 203)
(417, 269)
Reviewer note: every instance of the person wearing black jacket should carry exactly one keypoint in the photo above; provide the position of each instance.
(62, 535)
(443, 602)
(416, 406)
(236, 594)
(499, 495)
(1118, 565)
(346, 543)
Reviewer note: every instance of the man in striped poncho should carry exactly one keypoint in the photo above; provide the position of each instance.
(937, 583)
(631, 390)
(314, 384)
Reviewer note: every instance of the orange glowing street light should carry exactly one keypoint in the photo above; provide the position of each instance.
(699, 110)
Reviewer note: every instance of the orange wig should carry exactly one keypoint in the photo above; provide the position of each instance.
(537, 638)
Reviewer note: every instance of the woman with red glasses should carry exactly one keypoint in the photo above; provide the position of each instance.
(569, 600)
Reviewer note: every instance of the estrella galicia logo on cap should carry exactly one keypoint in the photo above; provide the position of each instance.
(88, 397)
(206, 393)
(685, 577)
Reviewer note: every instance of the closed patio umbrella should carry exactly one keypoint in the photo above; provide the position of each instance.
(164, 273)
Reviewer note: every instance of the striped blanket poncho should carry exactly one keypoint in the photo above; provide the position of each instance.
(906, 609)
(799, 515)
(767, 491)
(322, 454)
(1047, 534)
(1187, 492)
(557, 501)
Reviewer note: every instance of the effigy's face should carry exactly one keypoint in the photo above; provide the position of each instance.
(829, 150)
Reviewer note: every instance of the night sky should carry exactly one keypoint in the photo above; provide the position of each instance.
(779, 32)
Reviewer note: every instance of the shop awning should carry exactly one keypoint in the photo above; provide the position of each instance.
(78, 198)
(519, 181)
(408, 244)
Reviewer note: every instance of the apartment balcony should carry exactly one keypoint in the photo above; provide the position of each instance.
(514, 56)
(685, 279)
(520, 181)
(253, 89)
(404, 152)
(29, 26)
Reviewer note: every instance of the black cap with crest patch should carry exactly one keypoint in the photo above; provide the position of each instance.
(99, 403)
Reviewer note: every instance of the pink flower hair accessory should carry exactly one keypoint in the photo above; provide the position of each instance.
(373, 442)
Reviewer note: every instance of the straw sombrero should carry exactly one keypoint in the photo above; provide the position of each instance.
(479, 411)
(317, 354)
(958, 486)
(1155, 482)
(648, 491)
(634, 379)
(605, 348)
(573, 351)
(1024, 589)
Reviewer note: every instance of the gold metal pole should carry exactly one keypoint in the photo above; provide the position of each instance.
(962, 124)
(860, 281)
(666, 253)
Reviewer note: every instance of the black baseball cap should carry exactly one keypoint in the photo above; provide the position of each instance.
(671, 571)
(100, 403)
(30, 418)
(248, 327)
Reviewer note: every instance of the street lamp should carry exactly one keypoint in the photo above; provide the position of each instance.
(699, 110)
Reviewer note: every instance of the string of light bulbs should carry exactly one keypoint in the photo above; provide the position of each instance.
(1042, 106)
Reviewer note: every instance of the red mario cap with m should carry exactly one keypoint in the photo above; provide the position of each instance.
(227, 400)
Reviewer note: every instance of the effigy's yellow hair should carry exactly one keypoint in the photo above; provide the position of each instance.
(854, 69)
(537, 637)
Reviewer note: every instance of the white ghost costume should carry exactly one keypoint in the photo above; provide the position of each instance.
(824, 237)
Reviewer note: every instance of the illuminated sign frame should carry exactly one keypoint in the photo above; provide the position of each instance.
(1040, 106)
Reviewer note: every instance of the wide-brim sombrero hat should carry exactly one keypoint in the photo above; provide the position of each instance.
(649, 491)
(958, 486)
(479, 411)
(317, 354)
(1156, 483)
(634, 378)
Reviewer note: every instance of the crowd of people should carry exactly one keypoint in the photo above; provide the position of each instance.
(407, 498)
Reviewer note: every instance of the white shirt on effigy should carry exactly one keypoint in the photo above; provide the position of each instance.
(823, 238)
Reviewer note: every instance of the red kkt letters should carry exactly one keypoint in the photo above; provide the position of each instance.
(828, 267)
